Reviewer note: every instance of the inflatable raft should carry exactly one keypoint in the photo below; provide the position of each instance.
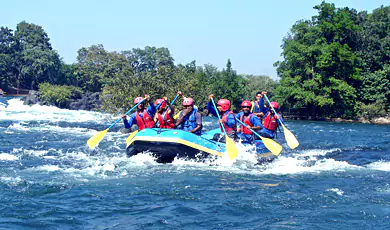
(168, 144)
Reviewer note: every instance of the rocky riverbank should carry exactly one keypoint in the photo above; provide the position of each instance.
(377, 121)
(87, 101)
(91, 101)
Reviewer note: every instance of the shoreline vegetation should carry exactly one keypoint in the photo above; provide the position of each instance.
(335, 67)
(31, 98)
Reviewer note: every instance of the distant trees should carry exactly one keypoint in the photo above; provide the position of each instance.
(336, 62)
(336, 65)
(27, 58)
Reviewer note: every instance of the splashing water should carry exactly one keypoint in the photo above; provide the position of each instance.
(48, 170)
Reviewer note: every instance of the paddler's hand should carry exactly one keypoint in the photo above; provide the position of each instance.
(147, 97)
(124, 116)
(264, 92)
(179, 92)
(165, 98)
(221, 121)
(211, 96)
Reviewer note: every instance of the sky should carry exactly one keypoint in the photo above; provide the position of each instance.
(249, 32)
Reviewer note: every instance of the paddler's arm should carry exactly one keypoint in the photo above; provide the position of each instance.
(280, 118)
(238, 118)
(129, 123)
(256, 123)
(211, 109)
(171, 108)
(151, 108)
(180, 119)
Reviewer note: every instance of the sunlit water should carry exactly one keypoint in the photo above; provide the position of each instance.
(338, 178)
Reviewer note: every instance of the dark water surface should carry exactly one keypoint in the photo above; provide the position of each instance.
(339, 178)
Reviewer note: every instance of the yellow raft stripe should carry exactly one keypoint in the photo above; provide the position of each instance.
(176, 140)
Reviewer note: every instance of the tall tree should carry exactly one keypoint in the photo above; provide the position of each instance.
(35, 60)
(375, 54)
(320, 69)
(149, 59)
(7, 53)
(229, 85)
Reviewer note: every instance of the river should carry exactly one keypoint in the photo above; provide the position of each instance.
(338, 178)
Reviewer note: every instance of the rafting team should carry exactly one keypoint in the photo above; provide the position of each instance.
(255, 115)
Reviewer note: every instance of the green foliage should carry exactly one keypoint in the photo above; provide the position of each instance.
(148, 59)
(57, 95)
(321, 70)
(370, 111)
(256, 84)
(229, 85)
(7, 41)
(336, 65)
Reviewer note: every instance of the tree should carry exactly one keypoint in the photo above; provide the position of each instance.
(35, 60)
(148, 59)
(320, 70)
(256, 84)
(229, 85)
(7, 52)
(375, 54)
(96, 66)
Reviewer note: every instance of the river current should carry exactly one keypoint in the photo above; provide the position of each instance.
(338, 178)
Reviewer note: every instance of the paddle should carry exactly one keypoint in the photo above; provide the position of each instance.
(95, 140)
(130, 137)
(173, 102)
(288, 135)
(230, 145)
(270, 144)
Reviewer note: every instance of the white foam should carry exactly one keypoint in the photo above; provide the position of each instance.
(291, 165)
(381, 165)
(11, 181)
(49, 168)
(8, 157)
(16, 111)
(336, 190)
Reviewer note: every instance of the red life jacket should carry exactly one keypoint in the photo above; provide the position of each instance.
(165, 121)
(224, 118)
(247, 121)
(144, 122)
(271, 122)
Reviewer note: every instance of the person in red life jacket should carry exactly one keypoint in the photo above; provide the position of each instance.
(271, 121)
(251, 120)
(164, 115)
(189, 119)
(227, 118)
(143, 118)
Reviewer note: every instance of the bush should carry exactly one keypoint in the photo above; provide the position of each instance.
(371, 111)
(57, 95)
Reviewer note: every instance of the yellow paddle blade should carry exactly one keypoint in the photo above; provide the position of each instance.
(94, 141)
(231, 148)
(290, 138)
(272, 145)
(177, 115)
(129, 139)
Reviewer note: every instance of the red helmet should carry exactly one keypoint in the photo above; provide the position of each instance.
(224, 103)
(246, 104)
(138, 99)
(162, 101)
(188, 101)
(275, 105)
